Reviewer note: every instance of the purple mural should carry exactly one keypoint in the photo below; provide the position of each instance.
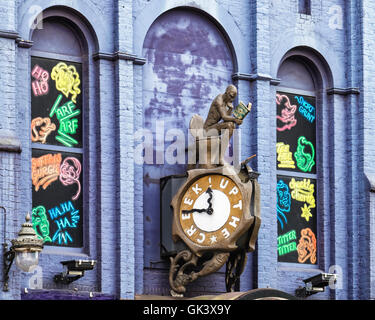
(188, 64)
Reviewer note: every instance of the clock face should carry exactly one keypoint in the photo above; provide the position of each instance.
(211, 209)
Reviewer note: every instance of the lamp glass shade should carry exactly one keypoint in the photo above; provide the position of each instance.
(27, 261)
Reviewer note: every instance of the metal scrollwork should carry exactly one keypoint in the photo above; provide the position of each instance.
(235, 266)
(178, 279)
(8, 257)
(181, 279)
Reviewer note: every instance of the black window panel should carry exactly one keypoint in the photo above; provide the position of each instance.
(56, 105)
(57, 196)
(296, 128)
(56, 126)
(296, 220)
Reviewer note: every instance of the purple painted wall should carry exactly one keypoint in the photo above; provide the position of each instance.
(188, 64)
(64, 295)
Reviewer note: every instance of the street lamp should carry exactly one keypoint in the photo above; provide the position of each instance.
(25, 250)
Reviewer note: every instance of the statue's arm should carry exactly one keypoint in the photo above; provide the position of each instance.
(226, 116)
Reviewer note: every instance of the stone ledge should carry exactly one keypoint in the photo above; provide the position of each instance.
(10, 144)
(343, 91)
(43, 294)
(255, 77)
(119, 56)
(13, 35)
(21, 43)
(9, 34)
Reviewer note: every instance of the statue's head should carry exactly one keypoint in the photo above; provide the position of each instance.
(230, 93)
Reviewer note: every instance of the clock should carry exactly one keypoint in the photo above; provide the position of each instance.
(212, 209)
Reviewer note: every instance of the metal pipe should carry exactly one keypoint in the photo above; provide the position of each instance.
(5, 223)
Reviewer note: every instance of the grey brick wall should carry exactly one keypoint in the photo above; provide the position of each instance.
(261, 32)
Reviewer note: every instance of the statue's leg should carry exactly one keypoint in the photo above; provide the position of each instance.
(195, 156)
(225, 131)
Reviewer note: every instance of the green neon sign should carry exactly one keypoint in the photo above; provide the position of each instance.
(68, 124)
(305, 160)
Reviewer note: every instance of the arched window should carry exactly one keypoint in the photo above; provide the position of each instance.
(304, 6)
(296, 164)
(189, 62)
(57, 133)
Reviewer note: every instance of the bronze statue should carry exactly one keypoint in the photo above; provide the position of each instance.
(210, 135)
(221, 109)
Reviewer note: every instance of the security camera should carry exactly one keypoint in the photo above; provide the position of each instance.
(316, 284)
(73, 270)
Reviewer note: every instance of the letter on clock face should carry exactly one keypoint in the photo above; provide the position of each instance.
(225, 233)
(185, 216)
(188, 201)
(238, 205)
(202, 238)
(196, 189)
(234, 221)
(191, 231)
(223, 183)
(233, 191)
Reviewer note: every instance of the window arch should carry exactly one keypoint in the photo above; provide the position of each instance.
(304, 6)
(189, 62)
(57, 133)
(296, 165)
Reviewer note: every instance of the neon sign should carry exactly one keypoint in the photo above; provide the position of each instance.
(60, 216)
(45, 170)
(69, 174)
(67, 80)
(284, 156)
(307, 246)
(68, 124)
(285, 243)
(296, 152)
(40, 85)
(41, 223)
(303, 191)
(283, 202)
(287, 114)
(305, 161)
(306, 109)
(45, 128)
(56, 172)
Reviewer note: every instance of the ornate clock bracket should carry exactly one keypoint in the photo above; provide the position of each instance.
(235, 266)
(239, 231)
(178, 278)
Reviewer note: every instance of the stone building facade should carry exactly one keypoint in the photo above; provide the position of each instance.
(152, 64)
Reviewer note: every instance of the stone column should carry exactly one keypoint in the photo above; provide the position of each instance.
(366, 114)
(10, 145)
(130, 216)
(263, 141)
(107, 184)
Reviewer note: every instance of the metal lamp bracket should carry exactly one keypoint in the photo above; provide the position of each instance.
(8, 257)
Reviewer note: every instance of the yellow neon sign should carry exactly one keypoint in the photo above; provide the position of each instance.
(284, 156)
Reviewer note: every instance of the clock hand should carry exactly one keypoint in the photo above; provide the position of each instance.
(209, 201)
(194, 210)
(209, 210)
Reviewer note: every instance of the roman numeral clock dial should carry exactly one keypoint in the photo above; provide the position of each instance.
(211, 210)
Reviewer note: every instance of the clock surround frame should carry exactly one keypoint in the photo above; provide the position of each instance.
(247, 219)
